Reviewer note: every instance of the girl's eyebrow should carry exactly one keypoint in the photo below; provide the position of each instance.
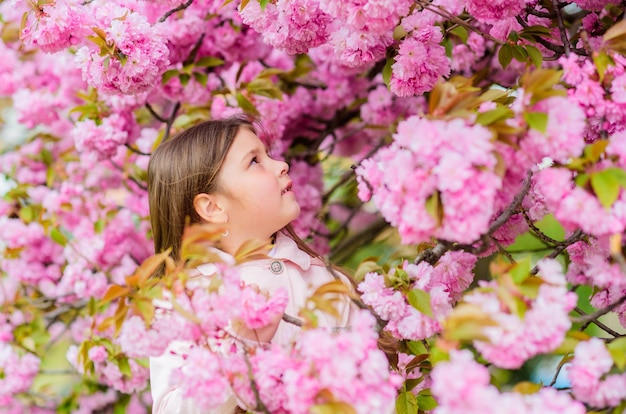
(254, 151)
(247, 155)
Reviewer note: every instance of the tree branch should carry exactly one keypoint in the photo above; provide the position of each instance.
(170, 121)
(514, 206)
(292, 320)
(136, 150)
(577, 236)
(174, 10)
(586, 319)
(348, 246)
(154, 114)
(564, 38)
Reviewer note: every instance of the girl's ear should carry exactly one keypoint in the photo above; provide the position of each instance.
(209, 208)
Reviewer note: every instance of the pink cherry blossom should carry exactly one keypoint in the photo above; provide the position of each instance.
(590, 378)
(462, 386)
(139, 58)
(542, 327)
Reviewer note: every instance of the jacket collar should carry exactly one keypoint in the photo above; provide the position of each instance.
(285, 248)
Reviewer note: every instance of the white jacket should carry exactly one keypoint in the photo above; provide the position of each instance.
(290, 268)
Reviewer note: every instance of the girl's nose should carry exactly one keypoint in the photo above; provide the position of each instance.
(283, 168)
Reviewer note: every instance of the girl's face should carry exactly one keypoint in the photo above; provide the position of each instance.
(255, 190)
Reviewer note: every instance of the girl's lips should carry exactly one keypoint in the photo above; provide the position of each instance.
(287, 188)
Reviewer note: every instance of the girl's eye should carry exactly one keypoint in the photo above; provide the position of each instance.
(254, 160)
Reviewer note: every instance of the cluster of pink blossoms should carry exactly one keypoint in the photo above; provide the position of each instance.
(347, 365)
(563, 135)
(294, 26)
(443, 283)
(104, 138)
(542, 327)
(434, 165)
(18, 371)
(139, 56)
(108, 372)
(420, 63)
(589, 374)
(494, 11)
(462, 386)
(575, 207)
(590, 265)
(362, 30)
(604, 111)
(58, 25)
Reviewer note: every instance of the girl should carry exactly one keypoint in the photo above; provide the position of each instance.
(220, 172)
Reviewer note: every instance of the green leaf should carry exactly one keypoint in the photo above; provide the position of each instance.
(505, 55)
(121, 404)
(399, 33)
(435, 208)
(27, 214)
(263, 3)
(581, 179)
(500, 113)
(333, 407)
(245, 104)
(520, 54)
(461, 32)
(98, 226)
(594, 151)
(618, 174)
(209, 62)
(406, 403)
(124, 366)
(387, 71)
(420, 300)
(184, 79)
(168, 75)
(269, 72)
(521, 270)
(606, 187)
(537, 120)
(425, 401)
(535, 55)
(416, 347)
(537, 31)
(617, 348)
(58, 237)
(201, 78)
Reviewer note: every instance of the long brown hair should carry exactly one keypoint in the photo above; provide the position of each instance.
(186, 165)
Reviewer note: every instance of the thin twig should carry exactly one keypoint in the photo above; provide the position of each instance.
(562, 363)
(564, 38)
(598, 324)
(136, 150)
(174, 10)
(440, 11)
(170, 121)
(348, 246)
(593, 316)
(292, 320)
(380, 323)
(577, 236)
(349, 175)
(154, 114)
(537, 232)
(433, 254)
(255, 389)
(502, 250)
(514, 206)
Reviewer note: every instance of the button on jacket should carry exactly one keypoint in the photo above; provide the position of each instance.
(289, 268)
